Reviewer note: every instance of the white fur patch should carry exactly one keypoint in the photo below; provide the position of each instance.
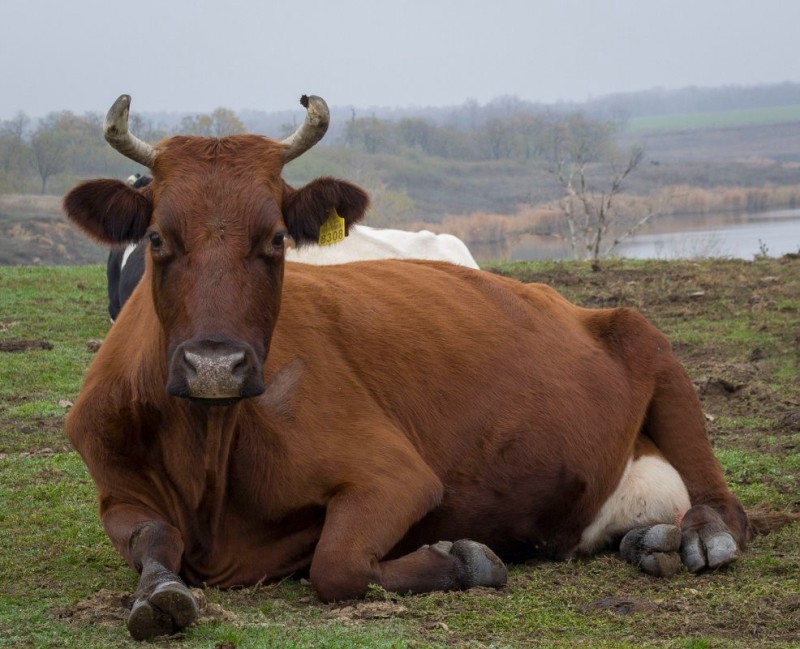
(651, 491)
(365, 242)
(125, 255)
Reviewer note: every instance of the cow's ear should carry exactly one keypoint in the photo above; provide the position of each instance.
(110, 211)
(307, 208)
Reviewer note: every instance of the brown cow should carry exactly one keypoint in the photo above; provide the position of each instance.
(246, 420)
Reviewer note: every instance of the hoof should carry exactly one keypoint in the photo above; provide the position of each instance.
(707, 542)
(708, 549)
(653, 549)
(168, 609)
(482, 566)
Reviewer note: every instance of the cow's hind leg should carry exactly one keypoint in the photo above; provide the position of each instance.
(644, 510)
(707, 542)
(661, 530)
(704, 542)
(654, 549)
(716, 528)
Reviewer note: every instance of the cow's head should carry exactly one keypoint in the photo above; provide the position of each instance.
(216, 218)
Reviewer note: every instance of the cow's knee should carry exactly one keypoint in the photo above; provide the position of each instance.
(341, 578)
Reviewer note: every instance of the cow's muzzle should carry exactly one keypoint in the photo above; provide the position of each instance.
(215, 370)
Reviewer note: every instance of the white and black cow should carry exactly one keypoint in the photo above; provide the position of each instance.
(125, 265)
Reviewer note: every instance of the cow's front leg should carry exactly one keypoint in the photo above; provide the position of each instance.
(444, 566)
(363, 524)
(163, 604)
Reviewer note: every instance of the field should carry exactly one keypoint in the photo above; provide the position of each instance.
(716, 119)
(732, 323)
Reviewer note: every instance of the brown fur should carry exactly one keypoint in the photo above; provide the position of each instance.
(404, 403)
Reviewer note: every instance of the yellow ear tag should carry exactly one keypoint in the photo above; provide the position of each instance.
(332, 231)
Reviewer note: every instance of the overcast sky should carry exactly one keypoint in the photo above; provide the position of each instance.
(197, 55)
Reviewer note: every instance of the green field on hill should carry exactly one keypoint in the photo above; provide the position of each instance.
(715, 119)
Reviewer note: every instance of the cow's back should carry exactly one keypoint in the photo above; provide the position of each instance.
(412, 329)
(506, 390)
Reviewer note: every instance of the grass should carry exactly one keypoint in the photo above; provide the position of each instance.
(715, 119)
(61, 307)
(61, 581)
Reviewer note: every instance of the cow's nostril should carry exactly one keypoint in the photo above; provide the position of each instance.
(239, 364)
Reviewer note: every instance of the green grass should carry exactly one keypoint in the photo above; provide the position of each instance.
(715, 119)
(54, 553)
(64, 307)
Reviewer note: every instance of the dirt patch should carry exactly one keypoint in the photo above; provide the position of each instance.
(111, 608)
(622, 605)
(361, 611)
(93, 344)
(104, 607)
(790, 422)
(24, 345)
(25, 435)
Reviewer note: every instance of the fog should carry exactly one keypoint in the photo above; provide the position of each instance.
(194, 56)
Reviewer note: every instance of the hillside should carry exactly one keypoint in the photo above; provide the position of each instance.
(33, 230)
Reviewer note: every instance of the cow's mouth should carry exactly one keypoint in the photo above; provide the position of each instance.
(216, 402)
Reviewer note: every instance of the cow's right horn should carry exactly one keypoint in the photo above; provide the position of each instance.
(116, 132)
(311, 130)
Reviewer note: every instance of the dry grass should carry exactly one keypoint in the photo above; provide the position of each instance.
(489, 228)
(30, 204)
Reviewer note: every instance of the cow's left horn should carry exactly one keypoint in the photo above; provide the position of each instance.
(311, 130)
(115, 129)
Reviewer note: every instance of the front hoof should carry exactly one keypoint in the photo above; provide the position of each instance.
(168, 609)
(482, 566)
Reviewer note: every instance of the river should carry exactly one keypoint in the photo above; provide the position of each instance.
(742, 236)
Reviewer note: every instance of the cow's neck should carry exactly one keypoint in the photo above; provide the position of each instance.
(213, 429)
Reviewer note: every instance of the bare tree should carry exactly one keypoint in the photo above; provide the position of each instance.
(15, 152)
(370, 133)
(580, 156)
(50, 145)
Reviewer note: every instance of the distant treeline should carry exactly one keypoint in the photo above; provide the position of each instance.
(47, 154)
(51, 155)
(519, 136)
(63, 147)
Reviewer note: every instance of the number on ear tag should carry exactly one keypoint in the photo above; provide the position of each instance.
(332, 231)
